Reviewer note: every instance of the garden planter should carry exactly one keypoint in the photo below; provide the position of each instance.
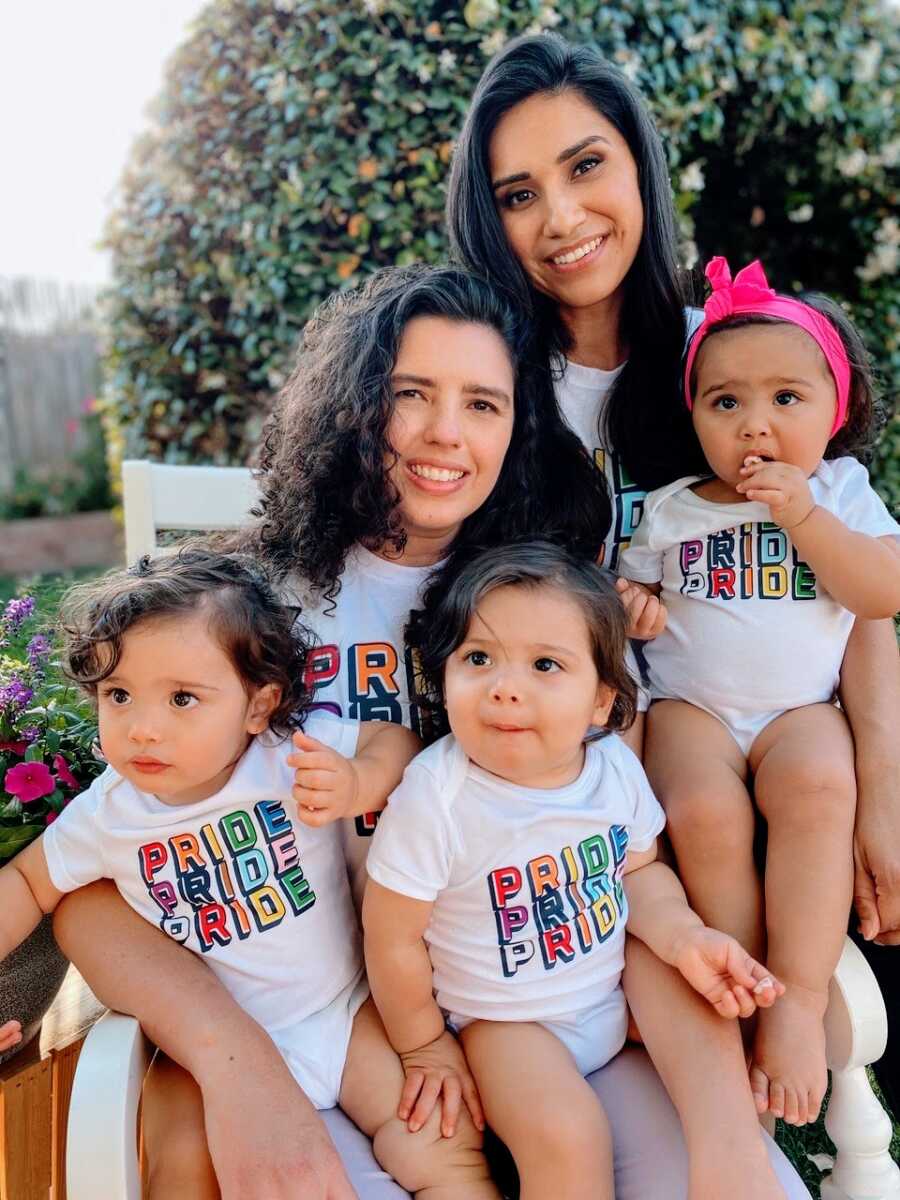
(30, 977)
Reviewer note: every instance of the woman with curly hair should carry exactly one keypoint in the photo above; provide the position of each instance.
(414, 424)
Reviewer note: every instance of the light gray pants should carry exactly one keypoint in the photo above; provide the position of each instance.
(650, 1155)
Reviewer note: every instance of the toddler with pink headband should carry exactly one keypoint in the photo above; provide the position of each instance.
(763, 565)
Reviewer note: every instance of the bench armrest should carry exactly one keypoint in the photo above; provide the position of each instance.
(102, 1144)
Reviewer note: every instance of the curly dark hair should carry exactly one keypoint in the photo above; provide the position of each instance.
(437, 629)
(642, 419)
(260, 635)
(865, 411)
(324, 466)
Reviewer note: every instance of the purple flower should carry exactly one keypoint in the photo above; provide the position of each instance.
(37, 650)
(29, 781)
(16, 612)
(15, 695)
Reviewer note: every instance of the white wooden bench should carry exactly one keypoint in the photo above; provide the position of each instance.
(102, 1158)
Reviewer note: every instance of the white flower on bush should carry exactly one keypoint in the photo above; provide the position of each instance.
(818, 99)
(548, 17)
(802, 214)
(490, 45)
(696, 41)
(276, 88)
(853, 164)
(447, 61)
(424, 73)
(212, 381)
(884, 259)
(866, 60)
(629, 62)
(374, 7)
(890, 153)
(481, 12)
(692, 178)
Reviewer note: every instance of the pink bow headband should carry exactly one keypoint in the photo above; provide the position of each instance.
(750, 293)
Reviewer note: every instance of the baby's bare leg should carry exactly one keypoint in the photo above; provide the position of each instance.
(536, 1100)
(806, 790)
(177, 1157)
(430, 1166)
(699, 774)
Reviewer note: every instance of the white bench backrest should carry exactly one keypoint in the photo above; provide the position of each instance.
(158, 496)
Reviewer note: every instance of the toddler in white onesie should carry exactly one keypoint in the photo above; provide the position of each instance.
(763, 568)
(508, 861)
(226, 835)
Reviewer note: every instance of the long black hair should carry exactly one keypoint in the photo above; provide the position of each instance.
(643, 423)
(326, 457)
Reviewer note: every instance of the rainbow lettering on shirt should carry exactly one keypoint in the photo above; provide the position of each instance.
(568, 904)
(746, 561)
(627, 503)
(225, 879)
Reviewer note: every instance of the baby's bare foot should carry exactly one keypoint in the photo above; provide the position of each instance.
(788, 1076)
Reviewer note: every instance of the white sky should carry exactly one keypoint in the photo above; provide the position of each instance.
(75, 79)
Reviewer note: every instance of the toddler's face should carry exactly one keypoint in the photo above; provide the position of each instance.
(174, 715)
(764, 390)
(522, 689)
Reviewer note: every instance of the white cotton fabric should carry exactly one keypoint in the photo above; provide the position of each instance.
(529, 911)
(750, 633)
(263, 899)
(582, 394)
(362, 670)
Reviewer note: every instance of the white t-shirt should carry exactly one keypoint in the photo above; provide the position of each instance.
(529, 911)
(582, 394)
(262, 898)
(362, 670)
(748, 624)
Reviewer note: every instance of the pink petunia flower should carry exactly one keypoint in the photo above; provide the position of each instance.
(16, 747)
(63, 774)
(29, 781)
(50, 817)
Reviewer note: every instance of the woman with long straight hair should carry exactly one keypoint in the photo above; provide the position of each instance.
(559, 192)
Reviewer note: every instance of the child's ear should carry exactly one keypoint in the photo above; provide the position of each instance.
(263, 703)
(606, 698)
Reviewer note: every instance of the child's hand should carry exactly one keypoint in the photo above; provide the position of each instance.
(720, 969)
(10, 1035)
(784, 488)
(646, 612)
(438, 1071)
(325, 784)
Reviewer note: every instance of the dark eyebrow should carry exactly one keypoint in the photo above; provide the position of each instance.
(775, 381)
(471, 389)
(563, 155)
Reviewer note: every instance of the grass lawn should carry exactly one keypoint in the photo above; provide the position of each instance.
(798, 1144)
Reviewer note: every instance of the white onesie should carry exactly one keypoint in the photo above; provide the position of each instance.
(529, 911)
(750, 633)
(262, 898)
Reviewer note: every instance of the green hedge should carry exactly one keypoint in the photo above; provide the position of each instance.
(300, 144)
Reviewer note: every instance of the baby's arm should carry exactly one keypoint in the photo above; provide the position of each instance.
(328, 786)
(861, 572)
(26, 894)
(713, 963)
(399, 971)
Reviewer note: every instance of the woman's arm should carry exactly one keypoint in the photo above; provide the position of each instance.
(265, 1138)
(400, 976)
(870, 695)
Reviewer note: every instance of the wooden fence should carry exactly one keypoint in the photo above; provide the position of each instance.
(48, 371)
